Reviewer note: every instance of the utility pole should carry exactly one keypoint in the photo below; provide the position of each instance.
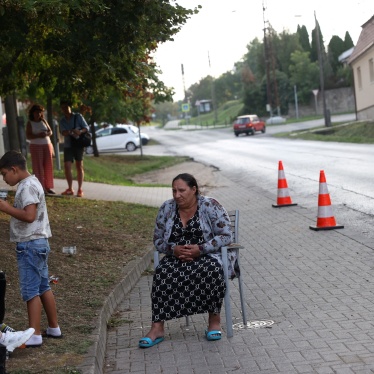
(213, 93)
(185, 100)
(184, 85)
(266, 55)
(326, 113)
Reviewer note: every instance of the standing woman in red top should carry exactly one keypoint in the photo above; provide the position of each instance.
(38, 132)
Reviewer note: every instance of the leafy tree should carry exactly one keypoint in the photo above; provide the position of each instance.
(283, 45)
(344, 77)
(254, 98)
(228, 87)
(255, 58)
(77, 50)
(165, 111)
(200, 91)
(304, 74)
(284, 89)
(335, 48)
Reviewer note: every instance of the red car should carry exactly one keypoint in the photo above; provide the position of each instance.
(248, 124)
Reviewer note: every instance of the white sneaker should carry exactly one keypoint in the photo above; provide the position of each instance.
(11, 340)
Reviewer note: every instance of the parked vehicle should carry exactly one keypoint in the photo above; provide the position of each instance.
(248, 124)
(115, 139)
(274, 120)
(135, 130)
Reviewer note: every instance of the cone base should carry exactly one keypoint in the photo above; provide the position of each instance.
(316, 228)
(280, 205)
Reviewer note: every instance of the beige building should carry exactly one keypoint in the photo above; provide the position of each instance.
(362, 63)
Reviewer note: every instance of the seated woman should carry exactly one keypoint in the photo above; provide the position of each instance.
(190, 230)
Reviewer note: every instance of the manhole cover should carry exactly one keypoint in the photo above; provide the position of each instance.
(253, 324)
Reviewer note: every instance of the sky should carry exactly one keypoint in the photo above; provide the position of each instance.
(220, 32)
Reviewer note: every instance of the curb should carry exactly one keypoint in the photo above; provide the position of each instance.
(94, 359)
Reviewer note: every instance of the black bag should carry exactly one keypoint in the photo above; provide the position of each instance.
(84, 139)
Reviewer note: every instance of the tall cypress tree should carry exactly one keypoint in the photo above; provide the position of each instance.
(304, 38)
(348, 43)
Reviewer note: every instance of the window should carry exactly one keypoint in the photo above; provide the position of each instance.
(119, 131)
(359, 79)
(371, 70)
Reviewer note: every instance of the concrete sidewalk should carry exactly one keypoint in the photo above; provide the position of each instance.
(99, 191)
(317, 288)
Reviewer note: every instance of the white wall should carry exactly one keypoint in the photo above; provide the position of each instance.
(365, 92)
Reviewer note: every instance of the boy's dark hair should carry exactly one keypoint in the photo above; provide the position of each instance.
(13, 158)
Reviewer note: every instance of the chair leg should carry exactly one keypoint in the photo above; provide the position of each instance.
(230, 332)
(229, 328)
(187, 321)
(242, 302)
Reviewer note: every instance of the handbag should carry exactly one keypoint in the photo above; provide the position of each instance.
(84, 139)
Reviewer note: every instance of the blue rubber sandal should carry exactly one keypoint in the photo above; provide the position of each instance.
(213, 335)
(148, 342)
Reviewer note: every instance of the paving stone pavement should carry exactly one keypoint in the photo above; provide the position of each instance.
(317, 288)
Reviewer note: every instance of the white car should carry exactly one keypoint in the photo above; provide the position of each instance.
(135, 130)
(274, 120)
(114, 139)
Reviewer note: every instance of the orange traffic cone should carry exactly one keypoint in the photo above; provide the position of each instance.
(325, 219)
(283, 198)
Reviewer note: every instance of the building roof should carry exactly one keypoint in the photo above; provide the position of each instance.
(365, 40)
(345, 55)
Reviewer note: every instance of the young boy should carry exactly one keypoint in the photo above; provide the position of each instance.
(30, 230)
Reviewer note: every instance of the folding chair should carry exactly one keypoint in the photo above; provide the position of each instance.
(234, 219)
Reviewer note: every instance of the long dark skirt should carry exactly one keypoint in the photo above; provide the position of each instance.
(184, 288)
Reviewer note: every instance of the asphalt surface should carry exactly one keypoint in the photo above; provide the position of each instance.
(309, 297)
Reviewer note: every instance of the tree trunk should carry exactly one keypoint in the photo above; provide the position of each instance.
(140, 139)
(11, 122)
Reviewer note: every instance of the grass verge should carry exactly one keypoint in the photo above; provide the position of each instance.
(353, 132)
(118, 169)
(108, 235)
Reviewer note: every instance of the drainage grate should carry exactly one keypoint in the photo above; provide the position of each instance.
(253, 325)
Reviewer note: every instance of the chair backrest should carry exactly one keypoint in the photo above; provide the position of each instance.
(234, 219)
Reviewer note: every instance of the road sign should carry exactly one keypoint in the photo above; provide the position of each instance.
(185, 107)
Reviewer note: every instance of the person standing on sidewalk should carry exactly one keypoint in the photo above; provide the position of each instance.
(38, 132)
(72, 125)
(30, 230)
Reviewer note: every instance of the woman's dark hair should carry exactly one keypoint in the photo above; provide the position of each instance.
(35, 108)
(189, 179)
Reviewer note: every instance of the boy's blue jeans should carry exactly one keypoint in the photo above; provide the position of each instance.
(32, 259)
